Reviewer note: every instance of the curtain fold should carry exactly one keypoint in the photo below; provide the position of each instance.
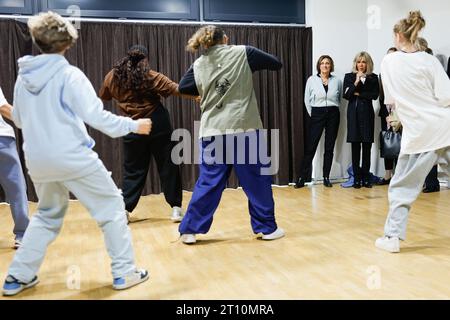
(101, 45)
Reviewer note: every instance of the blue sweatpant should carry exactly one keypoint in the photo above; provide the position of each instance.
(13, 183)
(214, 173)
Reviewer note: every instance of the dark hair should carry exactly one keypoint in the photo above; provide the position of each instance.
(323, 58)
(131, 72)
(429, 51)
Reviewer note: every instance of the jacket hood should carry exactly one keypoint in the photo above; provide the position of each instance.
(37, 71)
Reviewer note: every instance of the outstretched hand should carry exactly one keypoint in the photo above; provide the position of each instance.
(144, 126)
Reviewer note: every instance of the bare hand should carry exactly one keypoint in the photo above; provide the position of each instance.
(198, 99)
(6, 111)
(144, 126)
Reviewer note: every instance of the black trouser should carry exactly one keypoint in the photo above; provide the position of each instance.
(361, 173)
(432, 181)
(138, 151)
(321, 118)
(388, 163)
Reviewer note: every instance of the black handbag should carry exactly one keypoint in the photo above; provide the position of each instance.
(390, 142)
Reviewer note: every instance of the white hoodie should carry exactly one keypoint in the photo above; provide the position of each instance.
(52, 100)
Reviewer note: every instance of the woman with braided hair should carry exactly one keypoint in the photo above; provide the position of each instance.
(138, 90)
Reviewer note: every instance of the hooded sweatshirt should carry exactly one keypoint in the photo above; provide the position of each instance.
(52, 101)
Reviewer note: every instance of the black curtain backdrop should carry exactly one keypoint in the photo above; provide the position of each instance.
(101, 45)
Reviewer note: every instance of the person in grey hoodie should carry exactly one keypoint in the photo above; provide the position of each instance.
(52, 100)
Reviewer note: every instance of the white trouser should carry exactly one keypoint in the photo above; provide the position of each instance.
(406, 185)
(99, 194)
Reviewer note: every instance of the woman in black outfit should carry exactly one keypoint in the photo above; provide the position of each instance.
(360, 88)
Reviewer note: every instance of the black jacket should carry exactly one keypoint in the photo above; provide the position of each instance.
(360, 114)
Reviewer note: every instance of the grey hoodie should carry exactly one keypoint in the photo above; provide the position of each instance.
(52, 101)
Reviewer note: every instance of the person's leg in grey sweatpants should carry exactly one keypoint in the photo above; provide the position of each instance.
(98, 193)
(406, 185)
(13, 184)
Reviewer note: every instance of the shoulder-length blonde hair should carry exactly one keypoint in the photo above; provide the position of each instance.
(363, 55)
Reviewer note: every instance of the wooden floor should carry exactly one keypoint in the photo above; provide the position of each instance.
(328, 252)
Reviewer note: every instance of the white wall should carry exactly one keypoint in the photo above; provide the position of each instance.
(436, 13)
(342, 28)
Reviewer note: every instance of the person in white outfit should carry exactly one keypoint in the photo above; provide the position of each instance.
(420, 89)
(52, 100)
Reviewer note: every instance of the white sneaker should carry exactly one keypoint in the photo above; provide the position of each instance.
(17, 243)
(277, 234)
(177, 214)
(391, 244)
(132, 217)
(130, 280)
(188, 238)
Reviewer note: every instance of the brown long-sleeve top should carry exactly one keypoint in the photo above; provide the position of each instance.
(137, 105)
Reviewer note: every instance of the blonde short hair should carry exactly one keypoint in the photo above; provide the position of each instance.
(410, 26)
(367, 58)
(51, 32)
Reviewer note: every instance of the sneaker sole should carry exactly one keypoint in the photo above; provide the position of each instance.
(123, 287)
(272, 238)
(9, 293)
(177, 219)
(387, 249)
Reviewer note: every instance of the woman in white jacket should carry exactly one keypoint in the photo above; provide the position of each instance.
(322, 99)
(416, 83)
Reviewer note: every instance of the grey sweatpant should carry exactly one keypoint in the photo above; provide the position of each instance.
(99, 194)
(13, 183)
(406, 185)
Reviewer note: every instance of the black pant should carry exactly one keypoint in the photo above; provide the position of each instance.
(361, 173)
(432, 181)
(321, 118)
(388, 163)
(138, 151)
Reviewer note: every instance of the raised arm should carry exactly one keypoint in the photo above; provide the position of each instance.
(90, 109)
(260, 60)
(105, 93)
(187, 83)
